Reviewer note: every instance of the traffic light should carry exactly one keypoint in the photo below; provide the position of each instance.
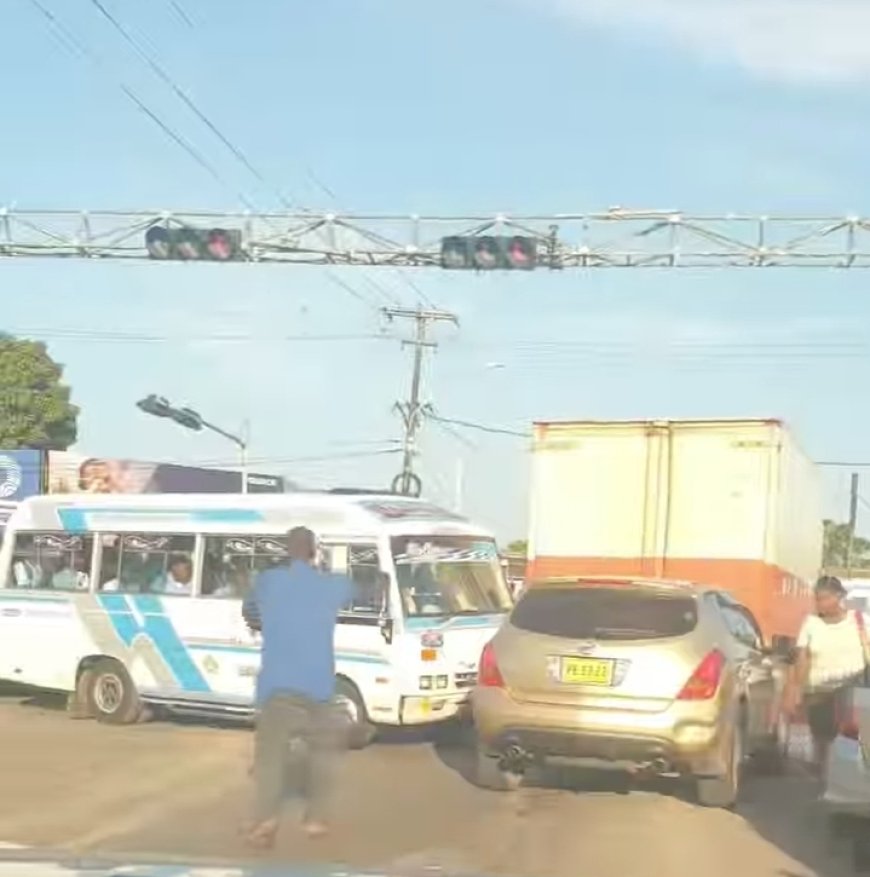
(193, 244)
(489, 253)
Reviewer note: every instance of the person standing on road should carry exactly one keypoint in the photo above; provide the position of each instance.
(295, 607)
(832, 655)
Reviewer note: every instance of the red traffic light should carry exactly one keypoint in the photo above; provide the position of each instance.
(220, 245)
(193, 244)
(489, 252)
(521, 253)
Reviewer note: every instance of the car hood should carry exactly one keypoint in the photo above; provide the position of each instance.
(28, 863)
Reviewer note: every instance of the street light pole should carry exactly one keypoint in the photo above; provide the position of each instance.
(241, 443)
(158, 406)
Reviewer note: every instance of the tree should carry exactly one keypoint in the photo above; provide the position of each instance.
(35, 407)
(518, 546)
(837, 548)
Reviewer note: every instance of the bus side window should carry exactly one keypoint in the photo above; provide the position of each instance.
(55, 561)
(364, 571)
(147, 563)
(232, 562)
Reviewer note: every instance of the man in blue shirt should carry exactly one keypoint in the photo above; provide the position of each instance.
(295, 607)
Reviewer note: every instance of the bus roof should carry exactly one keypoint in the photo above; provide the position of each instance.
(324, 513)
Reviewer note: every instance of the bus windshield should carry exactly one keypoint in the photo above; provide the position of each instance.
(449, 575)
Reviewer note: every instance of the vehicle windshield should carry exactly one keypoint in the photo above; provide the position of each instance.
(449, 575)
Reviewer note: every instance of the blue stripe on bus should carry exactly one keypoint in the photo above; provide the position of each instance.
(460, 622)
(150, 621)
(75, 520)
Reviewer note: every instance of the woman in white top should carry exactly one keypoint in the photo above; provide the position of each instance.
(832, 655)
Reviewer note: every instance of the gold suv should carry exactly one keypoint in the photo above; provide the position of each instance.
(653, 676)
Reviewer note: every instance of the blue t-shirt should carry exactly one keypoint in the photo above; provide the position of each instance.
(297, 608)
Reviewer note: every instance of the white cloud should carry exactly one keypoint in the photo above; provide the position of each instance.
(791, 40)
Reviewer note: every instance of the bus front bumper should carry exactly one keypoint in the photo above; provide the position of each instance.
(423, 710)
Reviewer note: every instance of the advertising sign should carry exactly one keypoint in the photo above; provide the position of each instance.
(76, 473)
(20, 474)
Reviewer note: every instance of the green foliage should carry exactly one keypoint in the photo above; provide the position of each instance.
(35, 407)
(518, 546)
(837, 548)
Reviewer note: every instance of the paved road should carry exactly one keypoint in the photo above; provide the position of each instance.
(180, 790)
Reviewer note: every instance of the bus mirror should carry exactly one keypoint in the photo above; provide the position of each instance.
(386, 626)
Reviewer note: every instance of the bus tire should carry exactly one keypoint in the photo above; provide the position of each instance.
(111, 695)
(359, 731)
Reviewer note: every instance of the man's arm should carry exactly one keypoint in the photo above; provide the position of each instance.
(251, 607)
(799, 672)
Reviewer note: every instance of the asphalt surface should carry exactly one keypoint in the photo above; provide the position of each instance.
(179, 790)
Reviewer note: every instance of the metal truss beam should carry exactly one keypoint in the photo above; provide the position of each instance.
(617, 238)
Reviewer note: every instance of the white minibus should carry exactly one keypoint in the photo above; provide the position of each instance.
(124, 601)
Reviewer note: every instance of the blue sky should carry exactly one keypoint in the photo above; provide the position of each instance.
(465, 105)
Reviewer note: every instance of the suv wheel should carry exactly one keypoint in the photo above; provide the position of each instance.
(490, 775)
(722, 791)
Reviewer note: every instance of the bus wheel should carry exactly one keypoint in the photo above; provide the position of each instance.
(111, 695)
(357, 727)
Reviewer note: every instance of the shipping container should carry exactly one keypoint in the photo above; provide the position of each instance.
(729, 503)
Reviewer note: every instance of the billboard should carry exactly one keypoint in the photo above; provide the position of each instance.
(77, 473)
(20, 474)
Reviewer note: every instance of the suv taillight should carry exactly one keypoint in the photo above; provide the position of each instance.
(704, 682)
(488, 674)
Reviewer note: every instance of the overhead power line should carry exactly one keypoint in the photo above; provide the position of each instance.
(89, 335)
(83, 52)
(186, 99)
(481, 427)
(614, 239)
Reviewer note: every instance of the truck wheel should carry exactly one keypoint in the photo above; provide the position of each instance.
(490, 775)
(722, 792)
(358, 729)
(111, 696)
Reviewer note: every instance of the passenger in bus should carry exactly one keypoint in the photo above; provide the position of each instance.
(178, 578)
(66, 577)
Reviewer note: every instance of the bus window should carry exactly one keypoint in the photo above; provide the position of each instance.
(147, 563)
(56, 561)
(231, 562)
(364, 571)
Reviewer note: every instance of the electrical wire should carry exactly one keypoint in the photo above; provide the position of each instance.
(88, 54)
(77, 458)
(228, 337)
(468, 424)
(182, 95)
(181, 13)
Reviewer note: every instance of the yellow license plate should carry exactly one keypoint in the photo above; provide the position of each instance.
(587, 671)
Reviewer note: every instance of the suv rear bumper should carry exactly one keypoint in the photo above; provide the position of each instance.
(674, 740)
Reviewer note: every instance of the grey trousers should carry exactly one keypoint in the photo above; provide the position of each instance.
(279, 771)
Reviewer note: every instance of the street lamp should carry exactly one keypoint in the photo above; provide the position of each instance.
(159, 406)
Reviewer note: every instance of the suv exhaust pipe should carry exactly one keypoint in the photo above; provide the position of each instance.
(514, 759)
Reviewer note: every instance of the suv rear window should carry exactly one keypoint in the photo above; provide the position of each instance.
(611, 613)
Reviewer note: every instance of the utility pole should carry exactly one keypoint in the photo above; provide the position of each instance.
(853, 521)
(407, 482)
